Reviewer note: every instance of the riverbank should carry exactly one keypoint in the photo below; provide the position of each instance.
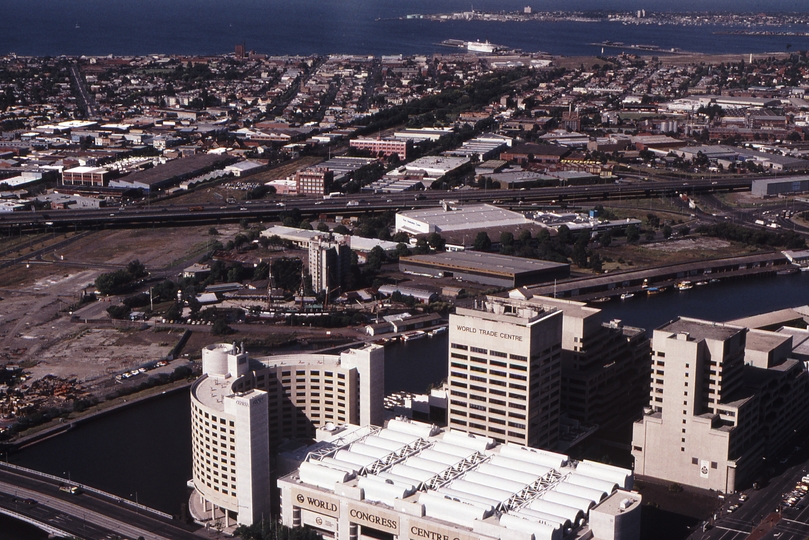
(61, 425)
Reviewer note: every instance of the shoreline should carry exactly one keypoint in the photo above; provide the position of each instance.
(59, 426)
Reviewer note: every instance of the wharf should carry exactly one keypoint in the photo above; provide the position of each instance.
(614, 284)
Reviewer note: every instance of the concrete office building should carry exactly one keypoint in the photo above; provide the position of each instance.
(722, 398)
(412, 480)
(385, 147)
(241, 408)
(85, 176)
(604, 376)
(605, 365)
(329, 262)
(505, 371)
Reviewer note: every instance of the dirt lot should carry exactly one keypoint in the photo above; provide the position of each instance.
(669, 252)
(36, 330)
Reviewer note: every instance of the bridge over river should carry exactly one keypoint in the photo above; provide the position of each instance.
(91, 514)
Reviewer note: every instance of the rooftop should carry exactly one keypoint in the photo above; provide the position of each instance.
(698, 330)
(476, 261)
(467, 217)
(463, 479)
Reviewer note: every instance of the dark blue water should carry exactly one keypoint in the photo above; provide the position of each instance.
(715, 302)
(136, 27)
(143, 453)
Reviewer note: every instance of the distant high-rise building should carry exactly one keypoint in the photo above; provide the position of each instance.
(240, 50)
(329, 263)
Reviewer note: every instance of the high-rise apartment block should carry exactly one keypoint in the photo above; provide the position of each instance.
(329, 262)
(242, 407)
(722, 398)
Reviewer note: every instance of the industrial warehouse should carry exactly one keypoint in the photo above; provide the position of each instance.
(413, 480)
(485, 268)
(451, 218)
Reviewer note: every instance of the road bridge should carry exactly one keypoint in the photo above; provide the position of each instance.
(34, 497)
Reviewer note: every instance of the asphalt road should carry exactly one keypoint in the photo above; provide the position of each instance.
(87, 515)
(761, 516)
(134, 216)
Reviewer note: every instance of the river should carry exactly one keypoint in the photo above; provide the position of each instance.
(144, 451)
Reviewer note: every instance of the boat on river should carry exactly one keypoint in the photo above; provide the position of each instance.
(410, 336)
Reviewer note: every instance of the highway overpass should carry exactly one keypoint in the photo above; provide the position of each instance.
(177, 215)
(92, 514)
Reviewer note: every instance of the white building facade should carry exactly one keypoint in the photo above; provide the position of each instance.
(241, 408)
(412, 480)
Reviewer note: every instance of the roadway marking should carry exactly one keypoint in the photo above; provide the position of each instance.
(795, 521)
(75, 510)
(729, 529)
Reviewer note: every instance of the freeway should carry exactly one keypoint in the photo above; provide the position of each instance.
(177, 215)
(91, 515)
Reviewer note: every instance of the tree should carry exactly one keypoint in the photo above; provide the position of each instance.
(174, 313)
(606, 238)
(482, 242)
(506, 238)
(632, 233)
(667, 231)
(375, 259)
(220, 327)
(322, 227)
(436, 241)
(119, 311)
(564, 235)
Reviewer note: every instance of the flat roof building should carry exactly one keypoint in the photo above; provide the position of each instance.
(714, 410)
(385, 147)
(314, 181)
(85, 176)
(605, 364)
(505, 372)
(486, 268)
(412, 480)
(241, 408)
(457, 218)
(766, 187)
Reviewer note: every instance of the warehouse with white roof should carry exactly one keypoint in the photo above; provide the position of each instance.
(450, 218)
(413, 480)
